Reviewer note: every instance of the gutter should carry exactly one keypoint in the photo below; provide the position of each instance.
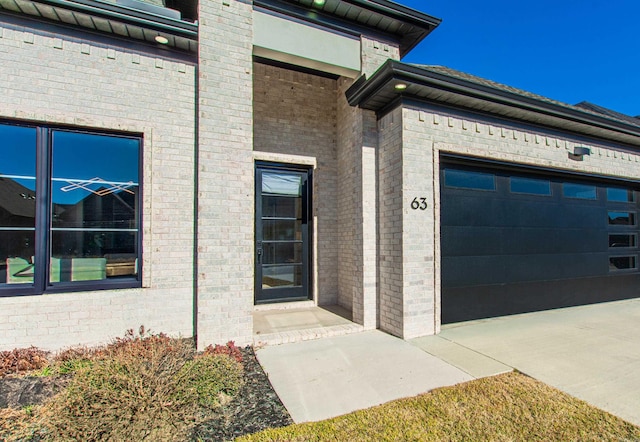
(128, 16)
(391, 71)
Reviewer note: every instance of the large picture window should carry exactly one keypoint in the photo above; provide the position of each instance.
(69, 210)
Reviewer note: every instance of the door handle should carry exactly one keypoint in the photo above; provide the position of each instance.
(259, 251)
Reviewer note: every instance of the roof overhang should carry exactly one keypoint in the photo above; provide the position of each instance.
(119, 19)
(379, 93)
(404, 25)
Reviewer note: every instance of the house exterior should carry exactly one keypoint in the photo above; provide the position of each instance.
(182, 165)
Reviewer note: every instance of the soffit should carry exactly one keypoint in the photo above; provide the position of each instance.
(436, 84)
(109, 18)
(405, 25)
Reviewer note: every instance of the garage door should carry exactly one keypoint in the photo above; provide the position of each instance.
(516, 240)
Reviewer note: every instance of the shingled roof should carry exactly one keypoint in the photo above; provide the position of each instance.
(449, 87)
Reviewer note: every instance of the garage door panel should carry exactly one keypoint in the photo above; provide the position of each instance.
(470, 241)
(462, 304)
(465, 271)
(506, 251)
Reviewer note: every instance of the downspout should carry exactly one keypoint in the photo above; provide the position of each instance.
(196, 181)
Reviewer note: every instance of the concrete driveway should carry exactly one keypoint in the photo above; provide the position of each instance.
(591, 352)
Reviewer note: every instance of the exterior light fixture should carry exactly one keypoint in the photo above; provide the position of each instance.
(319, 2)
(579, 152)
(161, 39)
(400, 87)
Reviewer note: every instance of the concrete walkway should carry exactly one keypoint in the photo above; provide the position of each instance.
(591, 352)
(332, 376)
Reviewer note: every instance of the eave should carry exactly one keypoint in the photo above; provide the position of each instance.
(378, 93)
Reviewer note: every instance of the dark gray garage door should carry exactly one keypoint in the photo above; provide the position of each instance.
(516, 240)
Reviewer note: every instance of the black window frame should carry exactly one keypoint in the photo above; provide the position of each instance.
(43, 227)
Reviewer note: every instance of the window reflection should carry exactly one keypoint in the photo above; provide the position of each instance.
(622, 262)
(622, 240)
(469, 179)
(581, 191)
(532, 186)
(17, 203)
(618, 194)
(94, 206)
(622, 218)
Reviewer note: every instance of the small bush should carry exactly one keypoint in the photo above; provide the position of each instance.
(20, 424)
(207, 377)
(140, 387)
(21, 360)
(230, 350)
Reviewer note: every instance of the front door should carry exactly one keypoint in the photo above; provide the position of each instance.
(282, 234)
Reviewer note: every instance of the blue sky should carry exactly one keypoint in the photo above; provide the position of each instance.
(568, 50)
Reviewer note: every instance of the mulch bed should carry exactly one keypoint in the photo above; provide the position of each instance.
(255, 408)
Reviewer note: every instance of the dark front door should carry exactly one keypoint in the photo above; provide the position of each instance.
(282, 234)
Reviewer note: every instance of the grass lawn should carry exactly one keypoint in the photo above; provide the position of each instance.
(509, 407)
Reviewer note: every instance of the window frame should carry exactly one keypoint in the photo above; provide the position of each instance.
(43, 217)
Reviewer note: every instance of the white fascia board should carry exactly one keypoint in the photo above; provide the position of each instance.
(304, 45)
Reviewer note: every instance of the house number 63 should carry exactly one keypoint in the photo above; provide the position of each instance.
(419, 203)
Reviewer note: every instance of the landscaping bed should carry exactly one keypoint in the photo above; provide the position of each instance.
(141, 387)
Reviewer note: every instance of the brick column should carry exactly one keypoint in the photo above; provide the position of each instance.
(226, 178)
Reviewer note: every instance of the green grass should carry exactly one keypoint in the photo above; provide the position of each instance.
(509, 407)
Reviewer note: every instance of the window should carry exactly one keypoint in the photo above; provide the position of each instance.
(620, 195)
(69, 209)
(532, 186)
(622, 263)
(622, 240)
(581, 191)
(469, 179)
(622, 218)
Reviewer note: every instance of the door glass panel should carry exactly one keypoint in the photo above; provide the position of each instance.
(282, 253)
(622, 240)
(581, 191)
(281, 207)
(281, 230)
(618, 194)
(17, 204)
(622, 218)
(281, 276)
(276, 183)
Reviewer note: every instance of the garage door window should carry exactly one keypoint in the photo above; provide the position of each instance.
(620, 195)
(467, 179)
(530, 186)
(622, 218)
(580, 191)
(618, 241)
(622, 263)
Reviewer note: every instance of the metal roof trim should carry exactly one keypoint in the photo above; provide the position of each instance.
(363, 91)
(127, 15)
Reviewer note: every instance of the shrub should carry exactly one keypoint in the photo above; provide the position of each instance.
(207, 377)
(20, 424)
(140, 387)
(230, 349)
(21, 360)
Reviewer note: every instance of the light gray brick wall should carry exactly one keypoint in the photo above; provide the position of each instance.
(225, 186)
(295, 115)
(357, 252)
(390, 219)
(430, 131)
(52, 78)
(375, 52)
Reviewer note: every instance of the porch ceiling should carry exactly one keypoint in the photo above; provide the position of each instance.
(405, 25)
